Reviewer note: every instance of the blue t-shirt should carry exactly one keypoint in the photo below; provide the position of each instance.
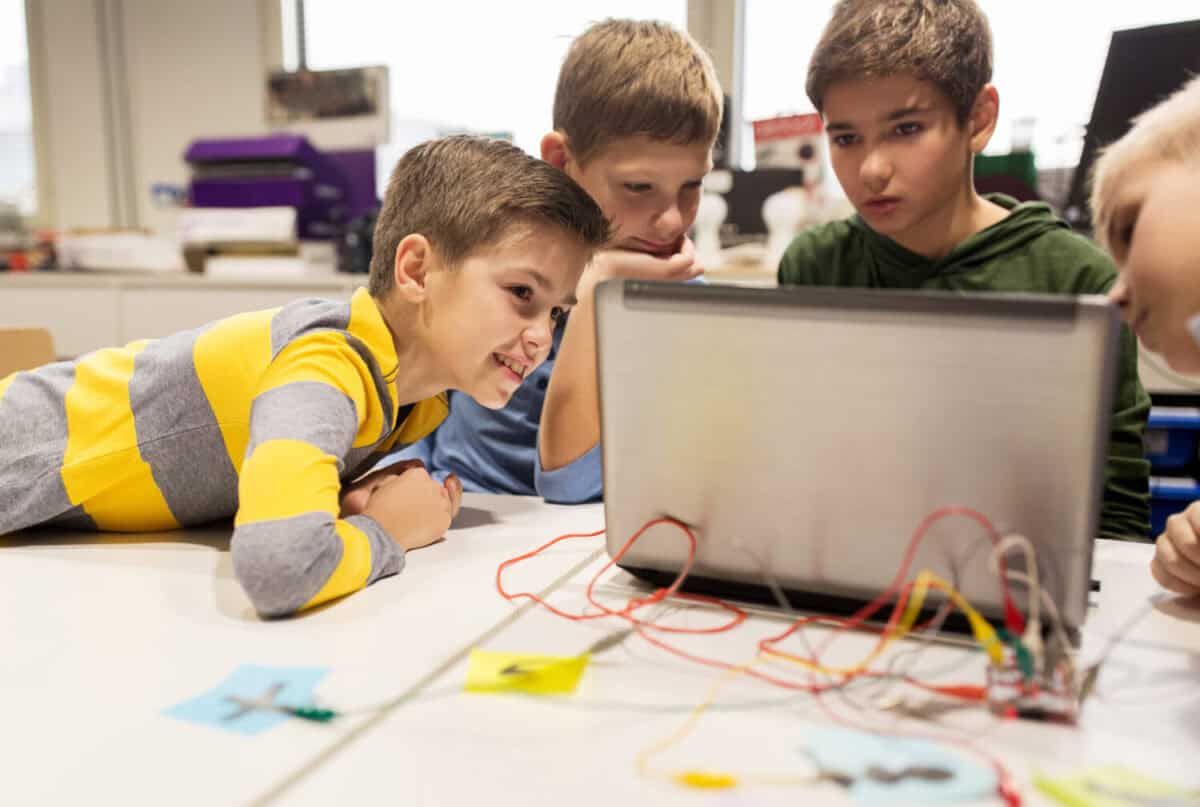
(496, 450)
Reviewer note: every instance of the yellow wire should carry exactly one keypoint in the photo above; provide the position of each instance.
(704, 778)
(984, 634)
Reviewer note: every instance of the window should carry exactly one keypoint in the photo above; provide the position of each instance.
(1048, 61)
(480, 67)
(17, 186)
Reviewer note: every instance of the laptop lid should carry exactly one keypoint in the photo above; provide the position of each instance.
(814, 429)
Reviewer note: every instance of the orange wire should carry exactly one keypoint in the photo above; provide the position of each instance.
(1013, 619)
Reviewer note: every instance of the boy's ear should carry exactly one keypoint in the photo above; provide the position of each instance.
(984, 114)
(414, 260)
(556, 151)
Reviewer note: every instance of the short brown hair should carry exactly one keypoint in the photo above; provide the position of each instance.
(466, 192)
(945, 42)
(1168, 132)
(627, 78)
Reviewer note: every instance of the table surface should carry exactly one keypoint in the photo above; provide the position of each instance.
(104, 633)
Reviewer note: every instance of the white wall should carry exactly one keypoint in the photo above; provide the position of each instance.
(122, 86)
(74, 170)
(194, 70)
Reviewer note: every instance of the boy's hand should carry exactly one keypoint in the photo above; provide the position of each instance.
(1176, 564)
(413, 507)
(354, 497)
(627, 263)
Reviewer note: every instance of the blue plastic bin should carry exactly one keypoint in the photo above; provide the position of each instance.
(1171, 436)
(1167, 497)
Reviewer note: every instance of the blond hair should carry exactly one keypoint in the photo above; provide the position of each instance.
(626, 78)
(945, 42)
(464, 193)
(1168, 132)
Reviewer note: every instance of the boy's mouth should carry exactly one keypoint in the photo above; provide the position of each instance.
(658, 248)
(881, 204)
(517, 368)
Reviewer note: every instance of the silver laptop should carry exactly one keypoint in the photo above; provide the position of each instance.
(805, 433)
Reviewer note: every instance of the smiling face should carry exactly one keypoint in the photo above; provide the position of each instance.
(648, 189)
(492, 316)
(903, 157)
(1154, 236)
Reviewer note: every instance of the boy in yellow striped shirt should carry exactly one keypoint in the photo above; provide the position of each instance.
(269, 416)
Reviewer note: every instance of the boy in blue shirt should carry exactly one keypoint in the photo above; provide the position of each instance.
(636, 112)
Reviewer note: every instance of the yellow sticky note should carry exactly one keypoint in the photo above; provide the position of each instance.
(1110, 786)
(706, 780)
(522, 672)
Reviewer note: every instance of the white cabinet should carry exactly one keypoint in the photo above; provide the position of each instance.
(84, 312)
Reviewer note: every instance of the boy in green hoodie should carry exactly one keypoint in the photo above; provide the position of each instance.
(902, 86)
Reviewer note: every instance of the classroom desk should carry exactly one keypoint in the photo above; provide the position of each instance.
(102, 635)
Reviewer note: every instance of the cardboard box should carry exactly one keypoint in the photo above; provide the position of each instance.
(24, 349)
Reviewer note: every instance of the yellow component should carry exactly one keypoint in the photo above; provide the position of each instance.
(325, 357)
(1111, 786)
(425, 416)
(230, 359)
(286, 478)
(5, 382)
(103, 469)
(707, 780)
(490, 672)
(352, 570)
(984, 633)
(367, 323)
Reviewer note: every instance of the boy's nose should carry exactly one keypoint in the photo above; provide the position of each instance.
(537, 336)
(669, 224)
(1119, 293)
(875, 172)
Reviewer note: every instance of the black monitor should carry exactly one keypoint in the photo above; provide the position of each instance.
(1144, 65)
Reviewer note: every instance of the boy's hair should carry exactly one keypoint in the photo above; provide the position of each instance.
(465, 192)
(627, 78)
(1167, 132)
(945, 42)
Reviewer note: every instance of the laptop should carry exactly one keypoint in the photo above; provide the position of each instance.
(804, 433)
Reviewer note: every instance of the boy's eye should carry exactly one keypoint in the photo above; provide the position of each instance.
(843, 140)
(637, 187)
(1123, 233)
(522, 293)
(908, 128)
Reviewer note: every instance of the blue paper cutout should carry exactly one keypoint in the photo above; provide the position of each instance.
(213, 708)
(852, 753)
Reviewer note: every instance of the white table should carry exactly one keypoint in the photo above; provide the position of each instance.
(101, 635)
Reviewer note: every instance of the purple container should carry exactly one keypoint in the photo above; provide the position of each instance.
(275, 170)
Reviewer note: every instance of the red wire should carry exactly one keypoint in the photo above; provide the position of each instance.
(1013, 620)
(1012, 617)
(738, 617)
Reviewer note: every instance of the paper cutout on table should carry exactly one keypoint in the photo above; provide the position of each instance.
(523, 672)
(880, 771)
(250, 681)
(1113, 786)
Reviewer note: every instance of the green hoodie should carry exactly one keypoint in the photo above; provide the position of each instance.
(1031, 250)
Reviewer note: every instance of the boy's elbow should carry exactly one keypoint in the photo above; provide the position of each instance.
(282, 564)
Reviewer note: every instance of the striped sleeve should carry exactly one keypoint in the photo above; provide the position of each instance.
(290, 548)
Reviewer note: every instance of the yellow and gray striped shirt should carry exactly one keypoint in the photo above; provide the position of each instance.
(262, 414)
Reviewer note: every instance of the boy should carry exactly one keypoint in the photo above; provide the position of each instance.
(477, 253)
(1145, 195)
(637, 109)
(903, 88)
